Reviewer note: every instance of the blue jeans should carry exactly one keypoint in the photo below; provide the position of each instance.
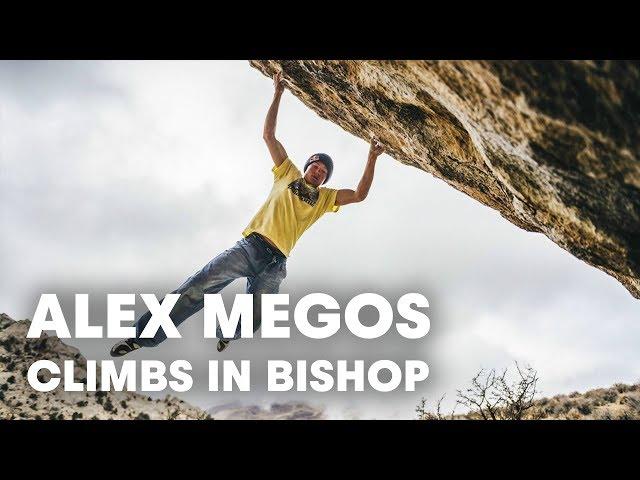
(251, 257)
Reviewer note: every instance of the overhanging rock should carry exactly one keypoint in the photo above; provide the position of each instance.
(552, 145)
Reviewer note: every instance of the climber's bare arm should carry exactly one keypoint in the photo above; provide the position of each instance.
(345, 195)
(277, 151)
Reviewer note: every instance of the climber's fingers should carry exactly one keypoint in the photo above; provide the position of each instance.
(278, 82)
(376, 145)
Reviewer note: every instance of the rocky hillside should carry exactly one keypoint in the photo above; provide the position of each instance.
(620, 402)
(19, 401)
(552, 145)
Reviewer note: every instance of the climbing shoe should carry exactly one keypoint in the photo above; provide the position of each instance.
(222, 344)
(124, 346)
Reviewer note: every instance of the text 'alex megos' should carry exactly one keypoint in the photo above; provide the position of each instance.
(275, 317)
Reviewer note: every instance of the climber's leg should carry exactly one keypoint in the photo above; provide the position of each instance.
(267, 281)
(218, 273)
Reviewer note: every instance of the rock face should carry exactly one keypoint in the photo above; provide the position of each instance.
(19, 401)
(552, 145)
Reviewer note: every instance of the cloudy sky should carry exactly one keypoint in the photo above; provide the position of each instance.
(122, 177)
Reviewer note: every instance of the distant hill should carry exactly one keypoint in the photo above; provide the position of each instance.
(276, 411)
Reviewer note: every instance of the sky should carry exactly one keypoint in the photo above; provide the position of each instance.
(127, 177)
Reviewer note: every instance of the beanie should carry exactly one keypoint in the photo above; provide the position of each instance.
(324, 158)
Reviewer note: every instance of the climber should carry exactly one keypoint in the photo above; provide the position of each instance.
(295, 202)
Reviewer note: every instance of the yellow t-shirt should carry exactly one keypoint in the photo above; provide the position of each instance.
(291, 208)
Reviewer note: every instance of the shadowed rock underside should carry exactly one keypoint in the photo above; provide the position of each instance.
(552, 145)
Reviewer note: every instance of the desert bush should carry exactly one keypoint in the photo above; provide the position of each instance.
(423, 412)
(603, 414)
(610, 395)
(172, 415)
(100, 396)
(8, 343)
(492, 396)
(108, 405)
(630, 415)
(202, 415)
(568, 405)
(602, 396)
(622, 388)
(584, 408)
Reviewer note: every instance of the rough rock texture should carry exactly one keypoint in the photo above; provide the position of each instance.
(19, 401)
(552, 145)
(276, 411)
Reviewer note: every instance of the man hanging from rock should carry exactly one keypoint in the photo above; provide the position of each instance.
(295, 203)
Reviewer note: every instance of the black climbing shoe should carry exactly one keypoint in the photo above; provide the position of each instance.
(124, 346)
(222, 344)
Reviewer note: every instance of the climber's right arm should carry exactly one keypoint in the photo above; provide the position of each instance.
(277, 151)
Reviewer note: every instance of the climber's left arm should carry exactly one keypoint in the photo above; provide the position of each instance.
(345, 195)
